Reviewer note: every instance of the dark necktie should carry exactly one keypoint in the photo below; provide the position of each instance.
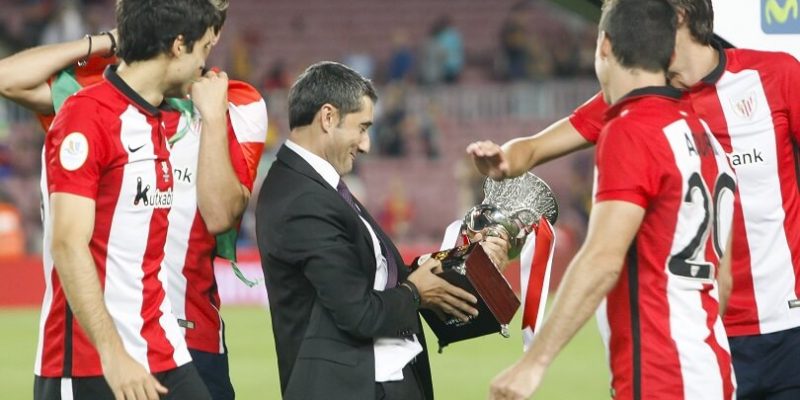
(391, 266)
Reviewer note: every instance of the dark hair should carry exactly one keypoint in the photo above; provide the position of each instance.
(148, 28)
(222, 8)
(698, 15)
(323, 83)
(642, 32)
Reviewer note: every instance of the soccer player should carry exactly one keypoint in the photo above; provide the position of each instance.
(748, 99)
(106, 322)
(229, 166)
(664, 196)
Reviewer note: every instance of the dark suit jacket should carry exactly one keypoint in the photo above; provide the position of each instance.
(319, 267)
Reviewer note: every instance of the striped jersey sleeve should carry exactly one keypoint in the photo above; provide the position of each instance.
(247, 129)
(74, 149)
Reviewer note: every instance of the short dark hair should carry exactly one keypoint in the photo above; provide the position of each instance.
(323, 83)
(642, 32)
(148, 28)
(222, 8)
(698, 15)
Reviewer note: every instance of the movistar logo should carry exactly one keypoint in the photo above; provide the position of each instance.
(780, 16)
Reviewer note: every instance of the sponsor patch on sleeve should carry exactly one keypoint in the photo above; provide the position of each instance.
(73, 151)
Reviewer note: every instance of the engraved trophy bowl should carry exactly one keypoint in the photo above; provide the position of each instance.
(512, 206)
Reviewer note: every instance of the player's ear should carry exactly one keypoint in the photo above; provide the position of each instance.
(177, 47)
(604, 45)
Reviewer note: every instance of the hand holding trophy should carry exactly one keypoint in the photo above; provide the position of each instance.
(511, 210)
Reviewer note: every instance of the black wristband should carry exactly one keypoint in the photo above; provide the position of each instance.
(414, 292)
(82, 62)
(113, 50)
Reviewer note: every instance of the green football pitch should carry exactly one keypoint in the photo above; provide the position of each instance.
(463, 371)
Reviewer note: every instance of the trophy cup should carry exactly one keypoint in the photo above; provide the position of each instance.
(510, 209)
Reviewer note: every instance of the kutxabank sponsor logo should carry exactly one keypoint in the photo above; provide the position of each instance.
(780, 16)
(155, 199)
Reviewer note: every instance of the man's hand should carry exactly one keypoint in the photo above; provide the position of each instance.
(437, 294)
(490, 159)
(128, 379)
(495, 244)
(210, 94)
(518, 382)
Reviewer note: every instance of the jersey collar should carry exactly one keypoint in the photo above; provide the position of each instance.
(716, 73)
(111, 76)
(667, 92)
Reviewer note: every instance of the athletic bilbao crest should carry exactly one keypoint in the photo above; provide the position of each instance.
(745, 107)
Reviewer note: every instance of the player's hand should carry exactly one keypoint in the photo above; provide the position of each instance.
(128, 379)
(210, 94)
(496, 245)
(489, 158)
(517, 382)
(439, 295)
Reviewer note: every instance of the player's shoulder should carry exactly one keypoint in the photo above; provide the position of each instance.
(775, 61)
(243, 93)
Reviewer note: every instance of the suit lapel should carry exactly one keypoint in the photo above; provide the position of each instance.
(297, 163)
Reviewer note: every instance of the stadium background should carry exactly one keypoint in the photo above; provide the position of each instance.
(448, 71)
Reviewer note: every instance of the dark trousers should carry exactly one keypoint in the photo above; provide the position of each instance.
(407, 389)
(214, 371)
(767, 366)
(182, 382)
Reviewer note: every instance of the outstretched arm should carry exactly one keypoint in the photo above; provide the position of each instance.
(519, 155)
(23, 76)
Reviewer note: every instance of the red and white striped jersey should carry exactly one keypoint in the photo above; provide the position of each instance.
(109, 145)
(661, 321)
(190, 247)
(747, 101)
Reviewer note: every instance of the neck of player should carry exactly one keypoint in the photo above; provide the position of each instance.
(632, 79)
(139, 76)
(693, 61)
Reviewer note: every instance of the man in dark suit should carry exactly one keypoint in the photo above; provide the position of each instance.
(343, 305)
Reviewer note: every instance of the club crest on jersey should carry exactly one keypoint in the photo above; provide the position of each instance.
(73, 151)
(745, 107)
(156, 199)
(165, 171)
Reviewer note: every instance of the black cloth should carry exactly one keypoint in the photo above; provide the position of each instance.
(767, 366)
(407, 389)
(183, 383)
(319, 269)
(215, 373)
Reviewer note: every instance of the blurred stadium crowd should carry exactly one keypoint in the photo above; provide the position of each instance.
(449, 72)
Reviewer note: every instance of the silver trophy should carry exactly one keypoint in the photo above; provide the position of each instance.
(512, 207)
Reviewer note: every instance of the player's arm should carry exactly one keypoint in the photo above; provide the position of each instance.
(23, 76)
(725, 277)
(73, 223)
(519, 155)
(221, 197)
(593, 272)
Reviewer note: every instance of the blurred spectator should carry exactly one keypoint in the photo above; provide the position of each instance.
(361, 62)
(65, 23)
(277, 78)
(243, 46)
(523, 54)
(12, 236)
(389, 131)
(397, 211)
(401, 62)
(442, 54)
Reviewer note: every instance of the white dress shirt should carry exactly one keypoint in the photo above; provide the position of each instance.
(391, 354)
